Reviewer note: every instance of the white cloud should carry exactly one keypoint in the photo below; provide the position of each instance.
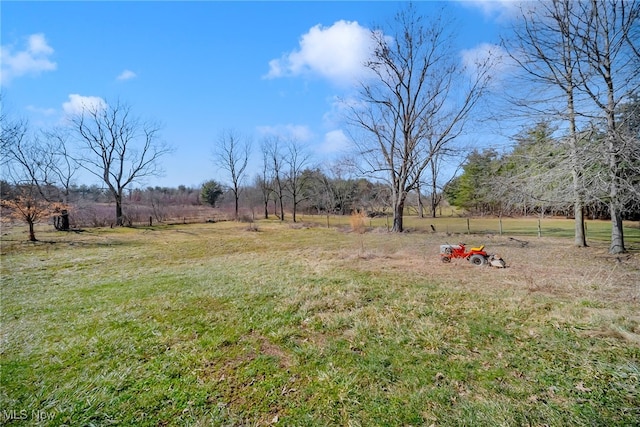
(490, 55)
(500, 10)
(127, 75)
(42, 111)
(299, 133)
(340, 110)
(482, 54)
(32, 60)
(334, 141)
(336, 53)
(78, 103)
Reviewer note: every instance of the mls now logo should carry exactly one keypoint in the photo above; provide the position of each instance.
(23, 414)
(13, 414)
(40, 415)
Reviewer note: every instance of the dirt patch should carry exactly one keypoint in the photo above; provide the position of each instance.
(542, 266)
(267, 348)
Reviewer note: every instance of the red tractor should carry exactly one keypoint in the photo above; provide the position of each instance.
(476, 256)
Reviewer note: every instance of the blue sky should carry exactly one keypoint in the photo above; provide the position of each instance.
(198, 68)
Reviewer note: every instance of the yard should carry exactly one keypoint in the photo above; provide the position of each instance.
(280, 324)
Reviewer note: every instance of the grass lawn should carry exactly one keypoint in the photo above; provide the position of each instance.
(223, 324)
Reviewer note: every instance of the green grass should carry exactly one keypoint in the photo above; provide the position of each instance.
(217, 325)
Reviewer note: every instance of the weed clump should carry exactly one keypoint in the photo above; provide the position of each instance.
(357, 221)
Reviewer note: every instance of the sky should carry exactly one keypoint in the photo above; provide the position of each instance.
(200, 68)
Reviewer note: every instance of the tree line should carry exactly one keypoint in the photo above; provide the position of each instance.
(311, 191)
(533, 178)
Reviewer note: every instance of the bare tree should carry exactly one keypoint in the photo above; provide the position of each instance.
(232, 155)
(29, 207)
(262, 184)
(296, 161)
(543, 45)
(343, 185)
(32, 168)
(13, 135)
(64, 167)
(321, 193)
(263, 180)
(40, 161)
(608, 44)
(274, 167)
(587, 52)
(117, 147)
(416, 105)
(434, 182)
(534, 175)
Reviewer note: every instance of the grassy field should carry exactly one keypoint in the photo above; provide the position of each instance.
(303, 325)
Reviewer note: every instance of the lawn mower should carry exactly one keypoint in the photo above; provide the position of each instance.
(476, 256)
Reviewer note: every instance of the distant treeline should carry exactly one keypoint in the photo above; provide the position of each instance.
(535, 177)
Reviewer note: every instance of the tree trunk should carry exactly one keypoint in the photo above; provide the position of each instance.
(61, 222)
(32, 233)
(398, 212)
(434, 203)
(237, 204)
(295, 203)
(617, 233)
(434, 199)
(119, 214)
(65, 220)
(266, 209)
(580, 238)
(281, 210)
(420, 205)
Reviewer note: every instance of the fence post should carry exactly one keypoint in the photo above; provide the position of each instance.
(500, 220)
(539, 228)
(468, 227)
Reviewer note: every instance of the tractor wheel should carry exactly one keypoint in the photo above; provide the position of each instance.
(477, 259)
(446, 259)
